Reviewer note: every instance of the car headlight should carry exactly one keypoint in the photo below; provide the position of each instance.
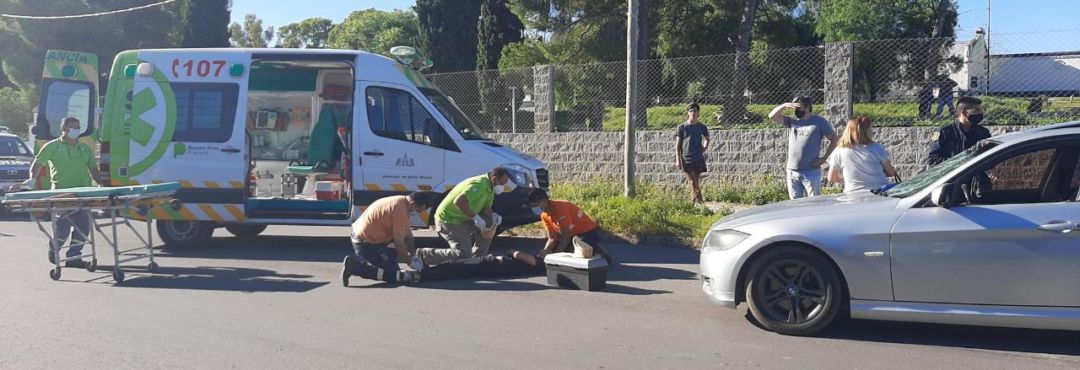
(521, 175)
(724, 239)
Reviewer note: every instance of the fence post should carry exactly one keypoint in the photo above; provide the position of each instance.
(839, 63)
(544, 98)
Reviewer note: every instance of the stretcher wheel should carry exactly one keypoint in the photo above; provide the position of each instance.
(152, 267)
(118, 276)
(55, 273)
(92, 265)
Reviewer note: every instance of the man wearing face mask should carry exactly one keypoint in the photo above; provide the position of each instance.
(961, 135)
(72, 165)
(465, 219)
(563, 221)
(387, 220)
(805, 133)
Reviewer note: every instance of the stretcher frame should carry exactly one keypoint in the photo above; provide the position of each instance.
(117, 207)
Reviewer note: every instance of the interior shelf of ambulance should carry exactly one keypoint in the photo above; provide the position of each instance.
(299, 117)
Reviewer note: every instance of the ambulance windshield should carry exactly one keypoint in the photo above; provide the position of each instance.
(454, 114)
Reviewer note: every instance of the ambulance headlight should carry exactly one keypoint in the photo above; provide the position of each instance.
(521, 175)
(724, 239)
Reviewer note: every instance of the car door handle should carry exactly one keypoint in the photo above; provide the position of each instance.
(375, 154)
(230, 150)
(1060, 226)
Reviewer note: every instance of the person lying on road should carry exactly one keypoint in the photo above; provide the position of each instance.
(512, 263)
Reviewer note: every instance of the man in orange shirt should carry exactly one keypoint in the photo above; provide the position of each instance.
(385, 221)
(563, 221)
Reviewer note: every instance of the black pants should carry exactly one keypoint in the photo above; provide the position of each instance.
(377, 262)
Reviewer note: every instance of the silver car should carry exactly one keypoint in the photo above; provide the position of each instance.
(15, 159)
(988, 237)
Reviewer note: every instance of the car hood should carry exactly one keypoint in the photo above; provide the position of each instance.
(511, 155)
(814, 206)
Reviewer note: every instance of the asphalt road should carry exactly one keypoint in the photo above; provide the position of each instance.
(275, 302)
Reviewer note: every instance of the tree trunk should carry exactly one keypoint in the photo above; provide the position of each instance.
(735, 105)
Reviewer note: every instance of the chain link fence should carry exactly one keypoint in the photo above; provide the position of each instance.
(900, 82)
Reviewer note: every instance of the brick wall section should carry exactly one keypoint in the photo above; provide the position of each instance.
(734, 155)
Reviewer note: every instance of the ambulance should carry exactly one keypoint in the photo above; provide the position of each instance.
(260, 137)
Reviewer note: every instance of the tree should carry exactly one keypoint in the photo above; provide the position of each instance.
(311, 33)
(735, 104)
(375, 31)
(203, 23)
(251, 33)
(496, 28)
(876, 63)
(448, 32)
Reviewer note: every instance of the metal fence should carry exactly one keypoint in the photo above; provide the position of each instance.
(894, 82)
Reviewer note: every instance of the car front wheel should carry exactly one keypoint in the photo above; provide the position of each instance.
(793, 291)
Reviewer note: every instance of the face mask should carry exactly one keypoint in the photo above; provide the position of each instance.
(71, 133)
(509, 187)
(799, 113)
(975, 118)
(537, 210)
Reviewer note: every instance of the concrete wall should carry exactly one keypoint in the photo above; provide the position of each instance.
(734, 155)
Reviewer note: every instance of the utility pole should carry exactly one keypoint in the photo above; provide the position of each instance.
(513, 109)
(631, 96)
(986, 83)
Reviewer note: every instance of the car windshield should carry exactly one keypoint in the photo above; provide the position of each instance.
(925, 178)
(13, 147)
(451, 111)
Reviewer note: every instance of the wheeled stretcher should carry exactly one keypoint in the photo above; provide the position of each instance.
(118, 204)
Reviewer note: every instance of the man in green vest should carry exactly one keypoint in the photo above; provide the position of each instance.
(465, 219)
(72, 165)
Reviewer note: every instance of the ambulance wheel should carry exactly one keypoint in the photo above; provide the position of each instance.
(92, 265)
(185, 234)
(246, 231)
(118, 276)
(55, 273)
(152, 267)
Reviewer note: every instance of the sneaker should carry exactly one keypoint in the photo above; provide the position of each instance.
(75, 263)
(416, 263)
(347, 268)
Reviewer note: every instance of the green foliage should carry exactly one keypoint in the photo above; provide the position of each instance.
(16, 107)
(448, 32)
(528, 53)
(654, 211)
(756, 192)
(250, 34)
(311, 33)
(376, 31)
(202, 23)
(496, 29)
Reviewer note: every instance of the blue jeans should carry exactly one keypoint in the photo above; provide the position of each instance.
(799, 183)
(944, 100)
(380, 256)
(76, 226)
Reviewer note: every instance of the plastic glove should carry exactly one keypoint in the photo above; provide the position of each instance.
(480, 223)
(496, 219)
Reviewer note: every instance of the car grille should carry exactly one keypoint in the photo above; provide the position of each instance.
(14, 174)
(542, 178)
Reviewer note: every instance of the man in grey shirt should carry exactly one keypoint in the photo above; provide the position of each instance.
(804, 160)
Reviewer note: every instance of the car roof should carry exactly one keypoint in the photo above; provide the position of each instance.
(1058, 129)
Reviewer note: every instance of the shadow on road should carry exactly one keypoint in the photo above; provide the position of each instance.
(220, 279)
(974, 337)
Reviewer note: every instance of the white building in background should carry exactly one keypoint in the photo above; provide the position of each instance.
(1029, 74)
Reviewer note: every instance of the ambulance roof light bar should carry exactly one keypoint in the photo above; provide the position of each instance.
(411, 57)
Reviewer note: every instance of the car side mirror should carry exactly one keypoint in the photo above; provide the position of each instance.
(944, 196)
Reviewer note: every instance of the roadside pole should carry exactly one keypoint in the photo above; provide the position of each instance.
(631, 96)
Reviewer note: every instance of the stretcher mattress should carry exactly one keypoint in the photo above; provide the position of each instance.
(94, 192)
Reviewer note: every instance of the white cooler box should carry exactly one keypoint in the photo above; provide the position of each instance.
(567, 271)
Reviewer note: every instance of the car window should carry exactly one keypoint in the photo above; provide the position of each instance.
(1016, 179)
(1074, 185)
(397, 114)
(205, 112)
(12, 147)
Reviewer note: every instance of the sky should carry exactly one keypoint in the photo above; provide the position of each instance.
(1019, 26)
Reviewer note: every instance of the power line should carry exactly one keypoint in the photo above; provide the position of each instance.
(77, 16)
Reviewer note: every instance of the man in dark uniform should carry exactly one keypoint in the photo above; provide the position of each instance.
(961, 135)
